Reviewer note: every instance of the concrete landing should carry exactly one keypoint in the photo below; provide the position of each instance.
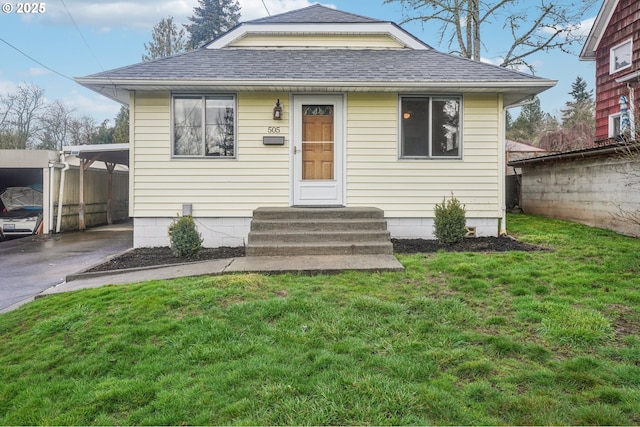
(315, 264)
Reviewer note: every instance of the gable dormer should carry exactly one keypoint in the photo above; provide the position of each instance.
(317, 27)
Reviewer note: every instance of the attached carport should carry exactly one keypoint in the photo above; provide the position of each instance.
(111, 155)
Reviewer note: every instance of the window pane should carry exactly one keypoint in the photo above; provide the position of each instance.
(616, 126)
(622, 56)
(187, 126)
(317, 142)
(220, 132)
(415, 127)
(446, 127)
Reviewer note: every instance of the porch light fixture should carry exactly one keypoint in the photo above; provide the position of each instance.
(277, 111)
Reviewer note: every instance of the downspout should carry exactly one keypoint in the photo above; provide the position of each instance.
(52, 168)
(503, 218)
(632, 110)
(61, 191)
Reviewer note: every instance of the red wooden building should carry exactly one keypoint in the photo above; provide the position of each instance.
(614, 44)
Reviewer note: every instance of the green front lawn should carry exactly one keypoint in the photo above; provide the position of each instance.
(518, 338)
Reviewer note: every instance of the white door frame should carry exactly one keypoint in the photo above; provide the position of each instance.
(313, 192)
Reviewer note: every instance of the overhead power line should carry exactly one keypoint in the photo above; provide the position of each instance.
(81, 35)
(35, 60)
(265, 7)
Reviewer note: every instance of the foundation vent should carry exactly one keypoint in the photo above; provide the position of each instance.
(471, 231)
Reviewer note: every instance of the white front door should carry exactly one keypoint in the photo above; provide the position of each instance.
(318, 135)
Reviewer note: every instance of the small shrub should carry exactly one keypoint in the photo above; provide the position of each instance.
(450, 221)
(185, 238)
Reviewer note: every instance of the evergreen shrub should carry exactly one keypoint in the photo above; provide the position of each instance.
(185, 238)
(450, 221)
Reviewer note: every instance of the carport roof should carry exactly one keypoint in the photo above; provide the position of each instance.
(108, 153)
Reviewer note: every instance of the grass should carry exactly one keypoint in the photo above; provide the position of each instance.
(520, 338)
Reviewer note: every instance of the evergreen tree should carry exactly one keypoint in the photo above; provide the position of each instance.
(527, 125)
(167, 40)
(121, 127)
(579, 91)
(581, 108)
(210, 19)
(508, 120)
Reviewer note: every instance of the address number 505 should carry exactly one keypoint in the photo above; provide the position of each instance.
(273, 129)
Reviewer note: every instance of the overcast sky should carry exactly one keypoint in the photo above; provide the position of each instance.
(75, 38)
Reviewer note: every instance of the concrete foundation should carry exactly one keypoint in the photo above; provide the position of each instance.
(234, 232)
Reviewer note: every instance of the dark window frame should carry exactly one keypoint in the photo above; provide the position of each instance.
(417, 140)
(205, 124)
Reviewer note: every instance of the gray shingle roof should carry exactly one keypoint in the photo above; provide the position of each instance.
(322, 65)
(402, 70)
(314, 14)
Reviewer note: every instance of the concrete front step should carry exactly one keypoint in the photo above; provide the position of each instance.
(318, 213)
(318, 224)
(318, 231)
(324, 248)
(304, 236)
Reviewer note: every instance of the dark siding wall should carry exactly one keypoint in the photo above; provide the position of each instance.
(624, 24)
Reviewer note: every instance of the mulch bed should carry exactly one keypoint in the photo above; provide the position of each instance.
(472, 244)
(149, 257)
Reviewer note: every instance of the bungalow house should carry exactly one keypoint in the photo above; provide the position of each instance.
(314, 108)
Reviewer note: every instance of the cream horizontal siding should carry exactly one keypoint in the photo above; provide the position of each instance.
(410, 188)
(259, 175)
(324, 41)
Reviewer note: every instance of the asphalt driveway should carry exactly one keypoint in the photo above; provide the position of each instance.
(30, 265)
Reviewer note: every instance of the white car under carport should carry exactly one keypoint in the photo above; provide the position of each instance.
(22, 213)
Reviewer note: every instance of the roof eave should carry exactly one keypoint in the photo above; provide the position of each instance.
(588, 52)
(514, 91)
(141, 83)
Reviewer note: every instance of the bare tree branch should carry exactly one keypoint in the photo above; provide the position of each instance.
(20, 120)
(534, 25)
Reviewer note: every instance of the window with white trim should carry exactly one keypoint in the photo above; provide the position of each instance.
(620, 56)
(615, 127)
(430, 127)
(204, 126)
